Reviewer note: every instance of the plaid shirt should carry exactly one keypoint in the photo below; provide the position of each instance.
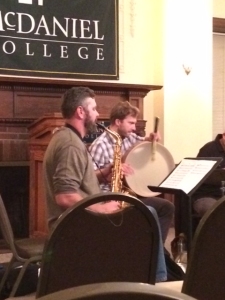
(102, 151)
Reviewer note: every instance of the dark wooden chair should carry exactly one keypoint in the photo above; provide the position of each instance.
(118, 291)
(24, 251)
(205, 274)
(87, 247)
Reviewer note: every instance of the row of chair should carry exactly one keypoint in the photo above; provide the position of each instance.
(89, 248)
(24, 251)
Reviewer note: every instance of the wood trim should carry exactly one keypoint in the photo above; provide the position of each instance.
(9, 83)
(218, 25)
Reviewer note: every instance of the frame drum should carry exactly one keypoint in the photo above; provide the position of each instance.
(149, 168)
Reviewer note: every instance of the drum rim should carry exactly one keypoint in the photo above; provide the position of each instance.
(127, 153)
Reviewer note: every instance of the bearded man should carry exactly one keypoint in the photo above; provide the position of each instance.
(69, 175)
(68, 171)
(123, 120)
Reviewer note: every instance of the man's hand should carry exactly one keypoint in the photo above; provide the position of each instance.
(127, 169)
(153, 136)
(104, 173)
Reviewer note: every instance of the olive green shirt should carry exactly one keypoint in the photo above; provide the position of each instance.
(67, 168)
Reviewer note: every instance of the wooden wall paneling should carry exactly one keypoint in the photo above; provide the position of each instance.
(15, 150)
(136, 98)
(138, 102)
(37, 207)
(32, 194)
(6, 104)
(42, 225)
(106, 101)
(42, 128)
(13, 140)
(35, 104)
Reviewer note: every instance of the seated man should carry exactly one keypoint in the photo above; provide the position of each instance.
(67, 167)
(69, 175)
(207, 194)
(123, 119)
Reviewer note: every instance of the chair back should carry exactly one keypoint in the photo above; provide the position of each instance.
(206, 266)
(87, 247)
(6, 228)
(118, 291)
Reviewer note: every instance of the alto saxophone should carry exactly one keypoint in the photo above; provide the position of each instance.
(117, 175)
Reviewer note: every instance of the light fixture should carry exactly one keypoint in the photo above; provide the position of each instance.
(187, 69)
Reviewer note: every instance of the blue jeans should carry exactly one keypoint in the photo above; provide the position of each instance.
(161, 272)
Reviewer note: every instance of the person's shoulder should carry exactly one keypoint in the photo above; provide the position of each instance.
(209, 144)
(62, 131)
(59, 134)
(208, 149)
(134, 137)
(65, 137)
(215, 141)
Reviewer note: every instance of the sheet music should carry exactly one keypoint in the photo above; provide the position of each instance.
(188, 174)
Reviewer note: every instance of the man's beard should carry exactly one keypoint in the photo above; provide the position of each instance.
(122, 133)
(91, 126)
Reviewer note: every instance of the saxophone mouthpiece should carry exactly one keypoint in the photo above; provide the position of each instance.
(100, 126)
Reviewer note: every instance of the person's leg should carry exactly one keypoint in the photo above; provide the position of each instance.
(201, 205)
(165, 211)
(161, 272)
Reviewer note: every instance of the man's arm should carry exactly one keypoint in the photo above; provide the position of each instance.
(103, 168)
(104, 174)
(153, 137)
(68, 200)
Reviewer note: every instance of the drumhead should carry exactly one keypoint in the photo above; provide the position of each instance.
(148, 171)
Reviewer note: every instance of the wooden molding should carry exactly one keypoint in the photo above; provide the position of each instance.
(9, 83)
(218, 25)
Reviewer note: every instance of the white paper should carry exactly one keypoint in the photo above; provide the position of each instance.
(188, 174)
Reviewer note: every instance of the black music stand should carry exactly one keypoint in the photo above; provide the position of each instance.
(183, 201)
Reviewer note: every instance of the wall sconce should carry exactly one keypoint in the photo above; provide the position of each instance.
(187, 69)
